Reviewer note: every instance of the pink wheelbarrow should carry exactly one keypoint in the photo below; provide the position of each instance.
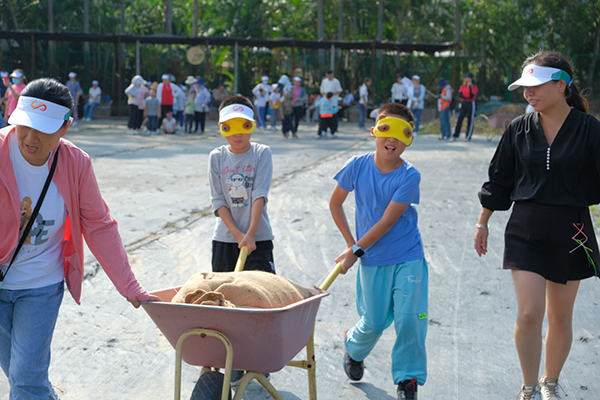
(264, 340)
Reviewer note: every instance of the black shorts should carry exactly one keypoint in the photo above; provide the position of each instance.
(225, 255)
(543, 239)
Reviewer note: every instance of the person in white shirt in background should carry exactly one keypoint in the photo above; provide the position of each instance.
(201, 104)
(363, 102)
(94, 96)
(346, 103)
(267, 89)
(331, 84)
(416, 101)
(179, 105)
(261, 102)
(275, 104)
(399, 91)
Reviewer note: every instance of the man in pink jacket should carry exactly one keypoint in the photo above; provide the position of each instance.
(32, 286)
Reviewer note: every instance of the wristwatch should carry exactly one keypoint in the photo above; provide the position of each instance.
(358, 251)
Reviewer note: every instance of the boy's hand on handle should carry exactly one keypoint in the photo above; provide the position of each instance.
(481, 241)
(248, 241)
(347, 259)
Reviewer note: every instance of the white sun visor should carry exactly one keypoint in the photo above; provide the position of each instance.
(42, 115)
(236, 111)
(535, 75)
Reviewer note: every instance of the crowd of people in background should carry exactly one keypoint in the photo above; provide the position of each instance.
(283, 104)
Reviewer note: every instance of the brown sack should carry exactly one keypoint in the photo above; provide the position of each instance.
(246, 289)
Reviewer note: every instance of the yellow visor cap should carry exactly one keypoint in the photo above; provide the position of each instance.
(394, 128)
(236, 126)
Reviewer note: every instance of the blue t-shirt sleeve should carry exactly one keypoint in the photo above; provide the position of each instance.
(408, 191)
(345, 177)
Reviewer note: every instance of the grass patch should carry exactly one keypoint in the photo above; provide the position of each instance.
(481, 127)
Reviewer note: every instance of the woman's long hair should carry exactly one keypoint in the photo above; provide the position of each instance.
(554, 59)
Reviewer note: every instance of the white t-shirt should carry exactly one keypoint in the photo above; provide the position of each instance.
(94, 94)
(399, 91)
(39, 262)
(363, 92)
(274, 97)
(331, 86)
(169, 125)
(261, 101)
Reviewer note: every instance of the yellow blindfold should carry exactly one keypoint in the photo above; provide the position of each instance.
(396, 128)
(237, 126)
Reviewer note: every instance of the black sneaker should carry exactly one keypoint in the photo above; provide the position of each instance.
(407, 390)
(353, 369)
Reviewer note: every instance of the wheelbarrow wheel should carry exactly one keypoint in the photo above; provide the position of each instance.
(209, 387)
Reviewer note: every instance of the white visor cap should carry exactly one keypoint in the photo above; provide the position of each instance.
(535, 75)
(236, 111)
(41, 115)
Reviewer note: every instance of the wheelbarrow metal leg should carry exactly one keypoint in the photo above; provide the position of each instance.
(228, 360)
(311, 367)
(248, 376)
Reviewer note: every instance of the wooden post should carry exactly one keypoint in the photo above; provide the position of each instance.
(235, 68)
(195, 21)
(86, 45)
(294, 58)
(137, 57)
(332, 58)
(119, 76)
(206, 61)
(373, 75)
(32, 70)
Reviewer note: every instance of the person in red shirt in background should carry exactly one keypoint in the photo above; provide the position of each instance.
(166, 92)
(467, 91)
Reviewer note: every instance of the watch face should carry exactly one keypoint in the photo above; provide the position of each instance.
(359, 252)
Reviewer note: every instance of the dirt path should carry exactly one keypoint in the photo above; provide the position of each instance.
(157, 190)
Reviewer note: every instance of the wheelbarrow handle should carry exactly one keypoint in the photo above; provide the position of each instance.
(239, 266)
(331, 277)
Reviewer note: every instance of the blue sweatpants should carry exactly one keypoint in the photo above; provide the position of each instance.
(393, 293)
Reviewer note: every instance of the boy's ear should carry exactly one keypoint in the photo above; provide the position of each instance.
(372, 129)
(412, 124)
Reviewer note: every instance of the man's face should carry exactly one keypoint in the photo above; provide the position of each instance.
(329, 76)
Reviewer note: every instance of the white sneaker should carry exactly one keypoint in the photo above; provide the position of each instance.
(549, 388)
(335, 135)
(529, 392)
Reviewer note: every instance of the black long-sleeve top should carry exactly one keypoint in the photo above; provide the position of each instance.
(525, 168)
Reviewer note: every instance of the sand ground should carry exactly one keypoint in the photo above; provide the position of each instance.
(157, 189)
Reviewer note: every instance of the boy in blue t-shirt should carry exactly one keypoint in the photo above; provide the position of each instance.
(392, 272)
(327, 118)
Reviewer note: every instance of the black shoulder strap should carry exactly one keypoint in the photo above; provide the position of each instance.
(33, 216)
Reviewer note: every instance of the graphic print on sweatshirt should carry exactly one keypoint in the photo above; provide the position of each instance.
(39, 231)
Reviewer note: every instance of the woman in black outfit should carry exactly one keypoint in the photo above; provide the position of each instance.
(548, 165)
